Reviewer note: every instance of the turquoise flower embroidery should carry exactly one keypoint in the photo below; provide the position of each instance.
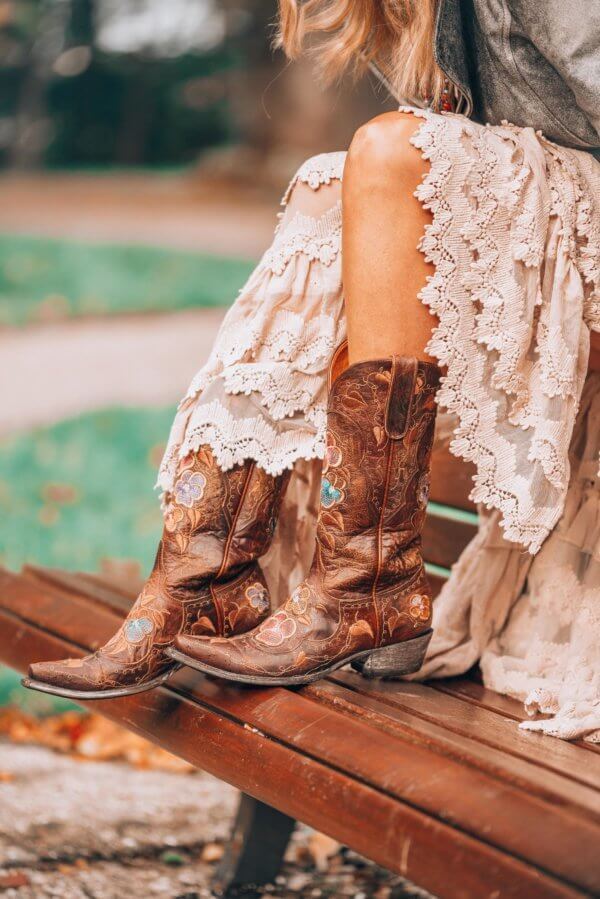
(330, 495)
(137, 629)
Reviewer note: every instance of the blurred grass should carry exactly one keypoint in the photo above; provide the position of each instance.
(13, 694)
(49, 280)
(82, 490)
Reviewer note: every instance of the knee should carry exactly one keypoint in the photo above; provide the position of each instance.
(381, 152)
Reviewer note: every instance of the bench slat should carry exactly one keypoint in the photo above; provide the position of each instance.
(550, 834)
(84, 584)
(444, 540)
(467, 749)
(492, 729)
(469, 689)
(451, 480)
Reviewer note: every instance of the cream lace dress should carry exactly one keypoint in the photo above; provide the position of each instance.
(515, 240)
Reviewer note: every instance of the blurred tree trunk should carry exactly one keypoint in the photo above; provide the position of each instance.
(81, 27)
(31, 133)
(58, 25)
(279, 109)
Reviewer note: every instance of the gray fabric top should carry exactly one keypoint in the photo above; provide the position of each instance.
(533, 63)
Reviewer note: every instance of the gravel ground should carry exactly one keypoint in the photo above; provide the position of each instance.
(57, 808)
(97, 830)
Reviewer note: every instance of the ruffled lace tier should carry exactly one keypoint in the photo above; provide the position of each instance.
(262, 394)
(515, 240)
(533, 622)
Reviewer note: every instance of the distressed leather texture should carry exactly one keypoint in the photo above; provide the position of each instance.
(205, 579)
(534, 64)
(367, 587)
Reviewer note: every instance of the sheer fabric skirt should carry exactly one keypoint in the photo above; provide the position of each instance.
(515, 240)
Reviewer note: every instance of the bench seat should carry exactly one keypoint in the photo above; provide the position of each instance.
(434, 782)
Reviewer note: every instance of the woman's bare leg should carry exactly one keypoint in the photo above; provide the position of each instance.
(383, 223)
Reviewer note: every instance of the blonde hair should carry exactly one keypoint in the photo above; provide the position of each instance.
(396, 35)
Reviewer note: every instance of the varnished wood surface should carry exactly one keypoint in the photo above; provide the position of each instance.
(432, 781)
(451, 480)
(445, 539)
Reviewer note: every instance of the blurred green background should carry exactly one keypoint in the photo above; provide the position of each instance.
(143, 149)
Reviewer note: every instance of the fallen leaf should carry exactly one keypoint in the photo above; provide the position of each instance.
(212, 852)
(89, 738)
(321, 849)
(13, 880)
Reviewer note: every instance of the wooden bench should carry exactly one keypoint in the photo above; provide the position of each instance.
(434, 782)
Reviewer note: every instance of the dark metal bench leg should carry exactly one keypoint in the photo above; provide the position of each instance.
(256, 848)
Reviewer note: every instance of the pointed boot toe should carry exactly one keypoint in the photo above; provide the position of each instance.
(47, 672)
(211, 655)
(65, 675)
(188, 644)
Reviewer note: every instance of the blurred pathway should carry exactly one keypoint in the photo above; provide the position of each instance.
(52, 372)
(167, 210)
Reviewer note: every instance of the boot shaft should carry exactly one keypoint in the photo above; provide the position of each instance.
(381, 419)
(221, 519)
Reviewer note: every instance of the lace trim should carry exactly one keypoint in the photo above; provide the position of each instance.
(274, 346)
(489, 321)
(588, 231)
(283, 335)
(282, 390)
(320, 240)
(234, 440)
(317, 171)
(558, 677)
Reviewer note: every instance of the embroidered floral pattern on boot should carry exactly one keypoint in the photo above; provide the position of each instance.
(367, 587)
(205, 580)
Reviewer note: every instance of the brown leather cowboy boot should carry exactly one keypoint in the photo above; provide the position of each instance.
(205, 580)
(366, 599)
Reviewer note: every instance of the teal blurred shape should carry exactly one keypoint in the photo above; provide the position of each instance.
(40, 704)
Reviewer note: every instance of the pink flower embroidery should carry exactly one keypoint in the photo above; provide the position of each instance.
(276, 629)
(174, 516)
(256, 595)
(333, 457)
(298, 602)
(419, 607)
